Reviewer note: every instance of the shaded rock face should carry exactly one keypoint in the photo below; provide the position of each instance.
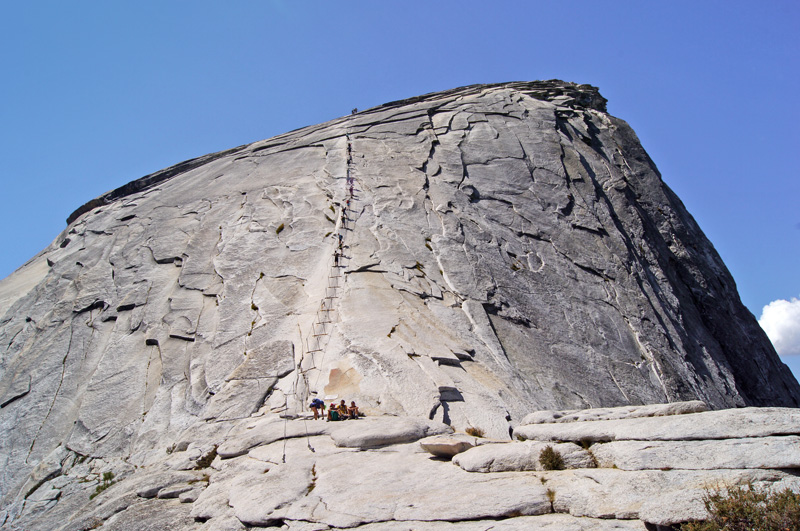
(504, 249)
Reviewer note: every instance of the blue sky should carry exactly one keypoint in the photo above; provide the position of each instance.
(96, 94)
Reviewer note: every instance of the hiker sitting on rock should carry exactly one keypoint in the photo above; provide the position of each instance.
(317, 405)
(342, 408)
(352, 411)
(333, 413)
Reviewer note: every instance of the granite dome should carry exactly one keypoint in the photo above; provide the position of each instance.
(459, 259)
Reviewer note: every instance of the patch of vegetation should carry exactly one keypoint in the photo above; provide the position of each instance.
(329, 219)
(550, 459)
(748, 509)
(253, 307)
(313, 483)
(391, 331)
(279, 229)
(205, 478)
(595, 464)
(108, 480)
(586, 443)
(205, 460)
(475, 432)
(551, 496)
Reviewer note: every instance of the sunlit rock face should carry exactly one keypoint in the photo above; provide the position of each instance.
(504, 249)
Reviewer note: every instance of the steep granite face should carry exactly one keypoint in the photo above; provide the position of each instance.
(504, 249)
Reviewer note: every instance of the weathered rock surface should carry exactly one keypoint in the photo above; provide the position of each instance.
(611, 413)
(519, 456)
(756, 452)
(505, 249)
(383, 431)
(725, 424)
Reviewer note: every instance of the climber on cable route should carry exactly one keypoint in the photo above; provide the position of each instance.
(318, 407)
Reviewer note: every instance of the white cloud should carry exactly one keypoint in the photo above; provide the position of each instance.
(781, 321)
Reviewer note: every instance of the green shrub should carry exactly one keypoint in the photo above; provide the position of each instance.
(108, 480)
(551, 459)
(748, 509)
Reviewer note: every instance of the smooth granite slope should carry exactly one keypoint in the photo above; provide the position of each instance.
(504, 249)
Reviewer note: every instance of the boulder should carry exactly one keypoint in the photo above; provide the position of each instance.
(373, 432)
(388, 485)
(519, 456)
(268, 430)
(446, 446)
